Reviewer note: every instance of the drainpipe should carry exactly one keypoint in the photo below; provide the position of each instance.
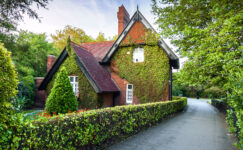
(170, 82)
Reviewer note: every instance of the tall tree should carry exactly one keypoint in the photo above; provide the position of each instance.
(11, 11)
(209, 33)
(77, 35)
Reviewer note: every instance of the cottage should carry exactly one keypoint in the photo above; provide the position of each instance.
(136, 68)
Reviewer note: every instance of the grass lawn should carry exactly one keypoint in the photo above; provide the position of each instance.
(30, 114)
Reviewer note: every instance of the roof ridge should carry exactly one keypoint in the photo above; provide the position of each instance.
(83, 48)
(80, 46)
(98, 42)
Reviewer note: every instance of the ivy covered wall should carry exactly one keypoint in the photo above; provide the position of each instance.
(149, 78)
(87, 98)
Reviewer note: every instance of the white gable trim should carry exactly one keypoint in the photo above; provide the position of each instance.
(167, 50)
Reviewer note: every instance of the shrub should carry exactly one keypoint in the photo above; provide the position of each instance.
(61, 98)
(24, 93)
(18, 103)
(213, 92)
(8, 85)
(8, 82)
(95, 128)
(220, 104)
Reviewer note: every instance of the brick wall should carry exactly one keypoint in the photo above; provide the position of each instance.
(165, 96)
(50, 62)
(40, 95)
(136, 33)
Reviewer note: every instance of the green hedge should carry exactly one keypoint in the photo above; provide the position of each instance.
(96, 128)
(220, 105)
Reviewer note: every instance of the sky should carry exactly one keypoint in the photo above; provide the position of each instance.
(93, 16)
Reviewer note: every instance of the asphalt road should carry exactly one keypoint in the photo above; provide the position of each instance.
(199, 127)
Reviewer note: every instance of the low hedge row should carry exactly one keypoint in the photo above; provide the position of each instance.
(220, 105)
(93, 129)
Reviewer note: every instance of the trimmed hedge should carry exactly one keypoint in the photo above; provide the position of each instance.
(96, 128)
(220, 105)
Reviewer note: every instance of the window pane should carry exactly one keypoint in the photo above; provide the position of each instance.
(76, 79)
(71, 79)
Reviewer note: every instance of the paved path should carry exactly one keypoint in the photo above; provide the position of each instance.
(199, 127)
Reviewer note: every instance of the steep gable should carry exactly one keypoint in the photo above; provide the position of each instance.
(138, 20)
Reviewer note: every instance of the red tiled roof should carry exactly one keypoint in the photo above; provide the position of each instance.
(98, 49)
(99, 75)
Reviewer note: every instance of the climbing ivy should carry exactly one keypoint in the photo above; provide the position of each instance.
(150, 77)
(87, 97)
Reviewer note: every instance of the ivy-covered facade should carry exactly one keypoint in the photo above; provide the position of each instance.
(136, 68)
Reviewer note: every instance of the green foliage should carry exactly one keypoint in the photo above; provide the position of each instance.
(12, 11)
(150, 77)
(8, 85)
(18, 103)
(29, 54)
(210, 36)
(183, 89)
(213, 92)
(76, 34)
(61, 98)
(101, 37)
(8, 81)
(94, 129)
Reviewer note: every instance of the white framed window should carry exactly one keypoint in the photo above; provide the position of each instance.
(74, 83)
(138, 55)
(129, 94)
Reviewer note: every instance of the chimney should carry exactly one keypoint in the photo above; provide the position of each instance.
(50, 61)
(123, 18)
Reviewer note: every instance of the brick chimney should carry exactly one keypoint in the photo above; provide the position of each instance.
(123, 18)
(50, 61)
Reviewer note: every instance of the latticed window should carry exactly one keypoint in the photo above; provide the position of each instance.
(74, 83)
(129, 94)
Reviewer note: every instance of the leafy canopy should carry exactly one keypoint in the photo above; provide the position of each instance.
(61, 98)
(209, 34)
(101, 37)
(76, 34)
(12, 11)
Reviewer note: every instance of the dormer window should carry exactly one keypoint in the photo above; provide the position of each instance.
(138, 55)
(74, 83)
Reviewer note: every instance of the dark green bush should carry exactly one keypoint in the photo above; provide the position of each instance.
(220, 104)
(213, 92)
(61, 98)
(24, 93)
(95, 128)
